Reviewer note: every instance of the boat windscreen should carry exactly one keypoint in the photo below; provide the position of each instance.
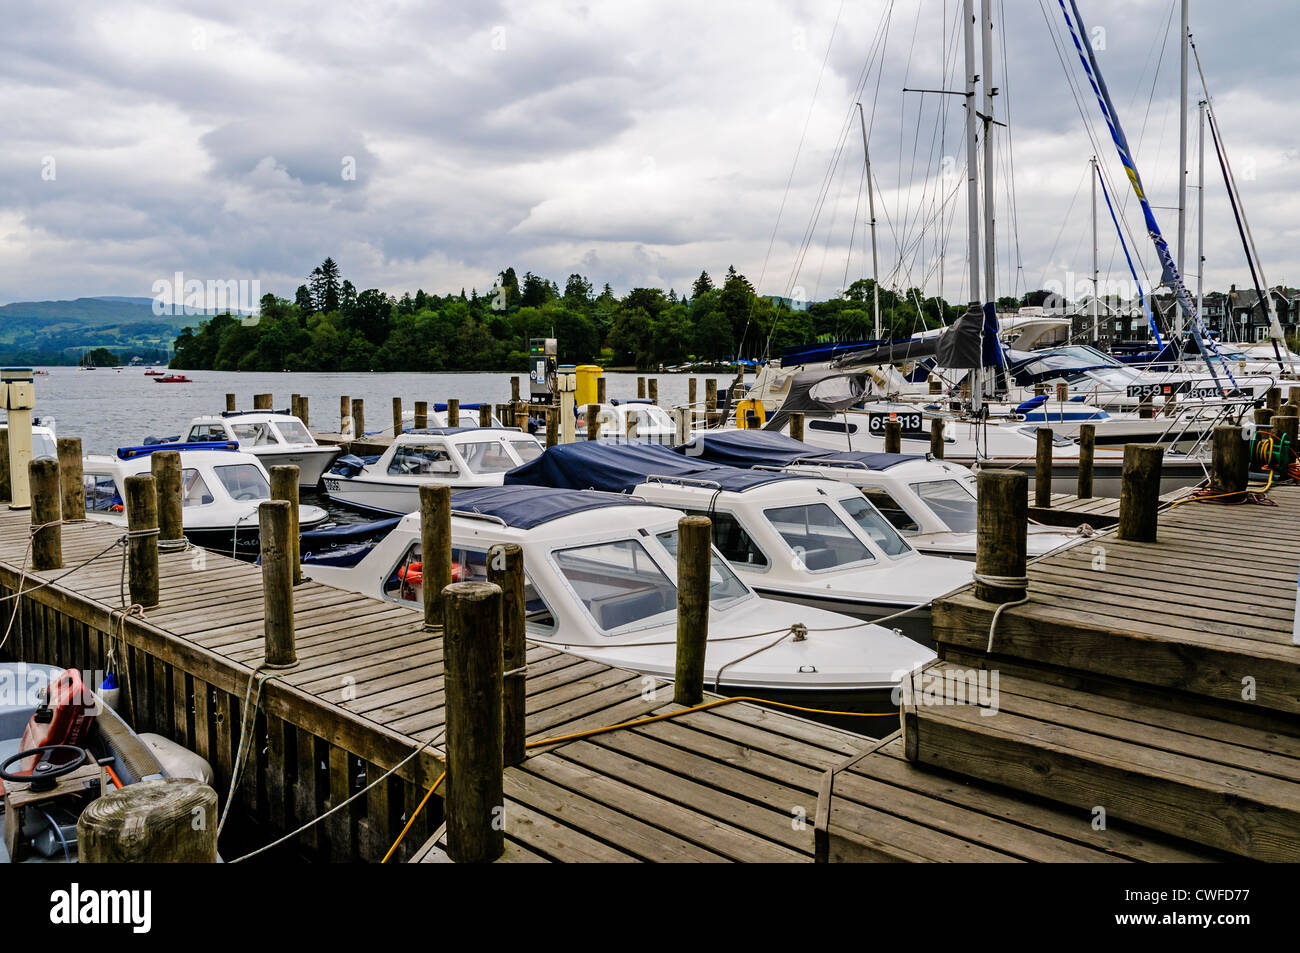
(485, 456)
(724, 585)
(820, 539)
(244, 481)
(294, 432)
(527, 449)
(618, 583)
(875, 526)
(951, 502)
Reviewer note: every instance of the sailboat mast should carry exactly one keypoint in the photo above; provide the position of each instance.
(972, 184)
(1200, 214)
(871, 209)
(986, 78)
(1182, 150)
(1096, 275)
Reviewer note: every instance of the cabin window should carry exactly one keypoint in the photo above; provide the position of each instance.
(244, 481)
(405, 583)
(618, 583)
(486, 456)
(951, 501)
(293, 432)
(414, 460)
(526, 449)
(833, 426)
(101, 493)
(207, 433)
(724, 584)
(194, 489)
(43, 445)
(253, 435)
(879, 529)
(733, 541)
(818, 536)
(891, 509)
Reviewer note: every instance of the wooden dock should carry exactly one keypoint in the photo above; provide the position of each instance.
(733, 783)
(1147, 707)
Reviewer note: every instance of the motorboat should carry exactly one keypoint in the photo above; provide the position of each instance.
(43, 442)
(461, 457)
(61, 747)
(438, 416)
(802, 539)
(932, 503)
(637, 417)
(601, 583)
(221, 489)
(276, 438)
(173, 379)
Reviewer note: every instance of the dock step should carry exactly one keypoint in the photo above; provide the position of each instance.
(1228, 786)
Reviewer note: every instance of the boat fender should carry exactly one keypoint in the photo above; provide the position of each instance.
(178, 762)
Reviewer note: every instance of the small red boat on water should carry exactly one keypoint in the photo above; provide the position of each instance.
(173, 379)
(152, 373)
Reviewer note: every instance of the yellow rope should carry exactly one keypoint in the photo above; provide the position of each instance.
(414, 815)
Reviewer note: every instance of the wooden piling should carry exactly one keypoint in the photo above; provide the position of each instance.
(166, 468)
(304, 411)
(593, 421)
(796, 425)
(47, 543)
(893, 436)
(514, 390)
(552, 429)
(936, 438)
(1275, 400)
(435, 548)
(263, 401)
(453, 412)
(472, 653)
(421, 414)
(1284, 433)
(506, 571)
(1230, 465)
(1146, 409)
(936, 385)
(6, 483)
(522, 416)
(652, 389)
(72, 485)
(710, 402)
(293, 405)
(358, 418)
(1002, 517)
(601, 390)
(1043, 468)
(284, 486)
(172, 820)
(484, 415)
(397, 417)
(230, 403)
(1087, 450)
(142, 544)
(345, 410)
(694, 556)
(1062, 391)
(275, 522)
(692, 392)
(1139, 497)
(1262, 416)
(640, 387)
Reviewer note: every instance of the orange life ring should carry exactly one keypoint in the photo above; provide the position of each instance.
(413, 573)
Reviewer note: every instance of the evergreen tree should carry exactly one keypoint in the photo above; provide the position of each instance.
(324, 282)
(303, 300)
(702, 284)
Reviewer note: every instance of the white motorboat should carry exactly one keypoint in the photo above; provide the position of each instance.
(43, 442)
(277, 439)
(601, 583)
(461, 457)
(930, 502)
(639, 417)
(437, 417)
(814, 541)
(221, 488)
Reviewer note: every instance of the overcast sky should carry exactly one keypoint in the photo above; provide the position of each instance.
(431, 144)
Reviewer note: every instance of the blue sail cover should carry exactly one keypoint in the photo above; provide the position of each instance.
(525, 507)
(752, 448)
(619, 467)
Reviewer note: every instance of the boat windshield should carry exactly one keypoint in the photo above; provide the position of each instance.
(724, 585)
(406, 582)
(820, 539)
(618, 583)
(194, 489)
(951, 501)
(415, 459)
(875, 526)
(486, 456)
(649, 418)
(254, 435)
(526, 449)
(244, 481)
(1078, 357)
(294, 432)
(43, 445)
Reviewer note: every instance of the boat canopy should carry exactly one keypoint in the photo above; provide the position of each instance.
(526, 507)
(750, 448)
(130, 453)
(619, 467)
(819, 393)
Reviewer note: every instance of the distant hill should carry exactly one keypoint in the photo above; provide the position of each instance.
(58, 332)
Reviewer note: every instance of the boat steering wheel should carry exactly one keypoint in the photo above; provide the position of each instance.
(45, 772)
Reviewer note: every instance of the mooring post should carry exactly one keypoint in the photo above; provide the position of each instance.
(1284, 433)
(72, 485)
(230, 403)
(1275, 400)
(304, 411)
(397, 417)
(263, 401)
(345, 410)
(893, 436)
(453, 411)
(421, 420)
(293, 405)
(1262, 416)
(6, 485)
(485, 415)
(514, 390)
(640, 387)
(435, 549)
(47, 542)
(284, 486)
(1087, 449)
(936, 385)
(522, 416)
(1139, 496)
(1146, 408)
(601, 390)
(1293, 397)
(506, 571)
(692, 391)
(166, 468)
(936, 437)
(142, 539)
(710, 401)
(1062, 391)
(593, 427)
(1002, 519)
(358, 418)
(694, 555)
(796, 426)
(552, 427)
(631, 426)
(170, 821)
(274, 523)
(1043, 468)
(652, 389)
(472, 680)
(1230, 466)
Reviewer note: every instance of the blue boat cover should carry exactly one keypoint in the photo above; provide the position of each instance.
(752, 448)
(442, 407)
(130, 453)
(524, 507)
(344, 545)
(442, 431)
(619, 466)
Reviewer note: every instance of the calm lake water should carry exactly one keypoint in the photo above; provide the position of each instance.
(108, 408)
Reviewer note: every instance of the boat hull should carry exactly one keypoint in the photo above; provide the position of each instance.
(312, 462)
(915, 625)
